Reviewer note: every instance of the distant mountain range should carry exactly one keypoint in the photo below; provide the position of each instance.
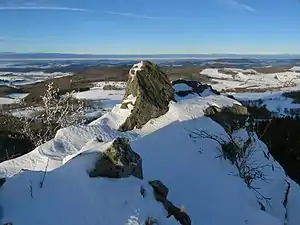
(20, 56)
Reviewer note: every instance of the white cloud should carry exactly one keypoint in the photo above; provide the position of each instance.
(241, 5)
(132, 15)
(49, 8)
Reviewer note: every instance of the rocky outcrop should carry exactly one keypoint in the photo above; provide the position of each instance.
(152, 91)
(193, 87)
(160, 192)
(118, 161)
(231, 118)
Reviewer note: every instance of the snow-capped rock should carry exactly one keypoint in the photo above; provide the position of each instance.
(153, 92)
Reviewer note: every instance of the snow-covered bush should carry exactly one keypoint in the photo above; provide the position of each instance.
(55, 112)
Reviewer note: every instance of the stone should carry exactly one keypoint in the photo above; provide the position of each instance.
(231, 118)
(196, 87)
(118, 161)
(152, 91)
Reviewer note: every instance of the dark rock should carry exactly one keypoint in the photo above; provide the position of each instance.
(160, 194)
(2, 181)
(153, 92)
(118, 161)
(178, 214)
(160, 190)
(196, 87)
(231, 118)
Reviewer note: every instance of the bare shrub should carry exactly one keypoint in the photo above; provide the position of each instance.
(55, 112)
(241, 155)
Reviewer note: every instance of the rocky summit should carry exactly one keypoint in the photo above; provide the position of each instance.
(152, 91)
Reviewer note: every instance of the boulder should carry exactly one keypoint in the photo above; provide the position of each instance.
(118, 161)
(152, 92)
(231, 118)
(193, 87)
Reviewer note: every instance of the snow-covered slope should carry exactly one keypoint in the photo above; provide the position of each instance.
(202, 183)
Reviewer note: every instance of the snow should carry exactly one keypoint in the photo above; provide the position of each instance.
(201, 182)
(12, 98)
(4, 101)
(252, 79)
(108, 98)
(22, 78)
(295, 68)
(136, 67)
(274, 101)
(18, 95)
(182, 87)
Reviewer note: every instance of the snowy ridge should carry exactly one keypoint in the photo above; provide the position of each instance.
(201, 182)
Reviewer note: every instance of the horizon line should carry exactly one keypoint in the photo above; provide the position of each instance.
(141, 54)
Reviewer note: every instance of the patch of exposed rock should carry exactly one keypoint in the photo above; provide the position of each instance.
(2, 181)
(160, 192)
(192, 87)
(118, 161)
(231, 118)
(152, 91)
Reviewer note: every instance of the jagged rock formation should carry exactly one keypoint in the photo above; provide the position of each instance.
(193, 87)
(231, 118)
(152, 91)
(118, 161)
(160, 192)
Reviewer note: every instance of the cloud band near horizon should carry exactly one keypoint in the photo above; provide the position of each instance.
(51, 8)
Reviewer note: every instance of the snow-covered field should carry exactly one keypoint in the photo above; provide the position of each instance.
(250, 79)
(273, 100)
(108, 98)
(21, 78)
(12, 98)
(203, 184)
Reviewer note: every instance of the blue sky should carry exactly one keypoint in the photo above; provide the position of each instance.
(150, 27)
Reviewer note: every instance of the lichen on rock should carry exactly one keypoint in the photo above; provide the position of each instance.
(118, 161)
(152, 91)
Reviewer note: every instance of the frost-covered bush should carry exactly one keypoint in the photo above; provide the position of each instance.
(55, 112)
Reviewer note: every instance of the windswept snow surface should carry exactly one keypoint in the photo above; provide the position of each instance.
(201, 182)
